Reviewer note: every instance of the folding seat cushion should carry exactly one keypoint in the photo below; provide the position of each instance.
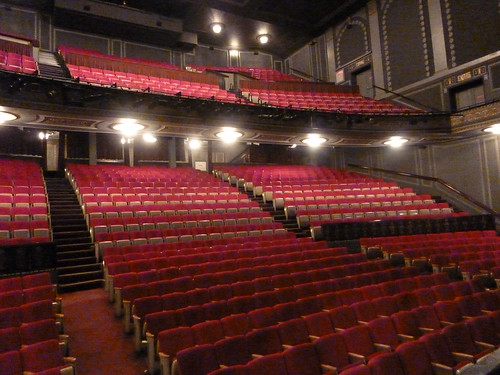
(448, 312)
(469, 306)
(170, 342)
(36, 279)
(262, 317)
(43, 356)
(198, 360)
(232, 351)
(406, 324)
(12, 298)
(264, 341)
(385, 306)
(318, 324)
(302, 360)
(461, 288)
(425, 296)
(10, 339)
(41, 330)
(440, 353)
(482, 329)
(39, 293)
(268, 364)
(406, 301)
(460, 340)
(34, 311)
(364, 311)
(207, 332)
(414, 358)
(191, 315)
(488, 300)
(217, 309)
(426, 318)
(443, 292)
(308, 305)
(343, 317)
(386, 363)
(293, 332)
(383, 333)
(236, 324)
(10, 363)
(286, 311)
(359, 343)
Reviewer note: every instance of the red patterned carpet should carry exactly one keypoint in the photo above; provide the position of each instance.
(97, 339)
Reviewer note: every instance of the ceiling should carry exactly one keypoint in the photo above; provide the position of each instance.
(291, 23)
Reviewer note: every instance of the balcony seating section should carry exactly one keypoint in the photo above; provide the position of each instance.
(263, 74)
(18, 63)
(295, 331)
(137, 74)
(24, 214)
(472, 253)
(31, 318)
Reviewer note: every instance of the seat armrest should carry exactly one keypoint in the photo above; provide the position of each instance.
(354, 357)
(463, 357)
(165, 364)
(445, 323)
(440, 369)
(286, 346)
(313, 338)
(484, 345)
(254, 356)
(425, 330)
(405, 338)
(382, 347)
(329, 369)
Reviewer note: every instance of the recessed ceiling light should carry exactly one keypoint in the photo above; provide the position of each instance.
(493, 129)
(128, 127)
(396, 141)
(217, 27)
(314, 140)
(229, 135)
(263, 38)
(6, 116)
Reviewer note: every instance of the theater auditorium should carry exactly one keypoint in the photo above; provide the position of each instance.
(248, 187)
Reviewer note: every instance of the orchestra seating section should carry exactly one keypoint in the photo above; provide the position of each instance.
(262, 74)
(317, 195)
(24, 216)
(32, 338)
(207, 282)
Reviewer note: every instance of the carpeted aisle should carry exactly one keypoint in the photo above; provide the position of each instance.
(97, 339)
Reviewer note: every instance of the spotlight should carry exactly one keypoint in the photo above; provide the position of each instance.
(493, 129)
(194, 144)
(314, 140)
(128, 127)
(149, 138)
(396, 141)
(263, 38)
(217, 27)
(6, 116)
(229, 135)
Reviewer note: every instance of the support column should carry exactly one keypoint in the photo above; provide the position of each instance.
(377, 61)
(209, 156)
(92, 148)
(330, 54)
(61, 155)
(437, 32)
(172, 153)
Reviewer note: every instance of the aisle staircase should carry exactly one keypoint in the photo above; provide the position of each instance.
(77, 267)
(49, 66)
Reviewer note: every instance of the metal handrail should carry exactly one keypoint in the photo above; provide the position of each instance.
(434, 179)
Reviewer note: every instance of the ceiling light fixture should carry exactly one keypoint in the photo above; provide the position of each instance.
(194, 144)
(396, 141)
(128, 127)
(493, 129)
(217, 27)
(314, 140)
(263, 38)
(149, 138)
(6, 116)
(229, 135)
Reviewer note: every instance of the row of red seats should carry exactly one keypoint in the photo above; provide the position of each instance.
(432, 353)
(14, 62)
(183, 234)
(202, 190)
(38, 229)
(286, 304)
(263, 74)
(159, 324)
(101, 200)
(144, 301)
(175, 267)
(17, 213)
(20, 190)
(23, 200)
(303, 272)
(416, 238)
(170, 209)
